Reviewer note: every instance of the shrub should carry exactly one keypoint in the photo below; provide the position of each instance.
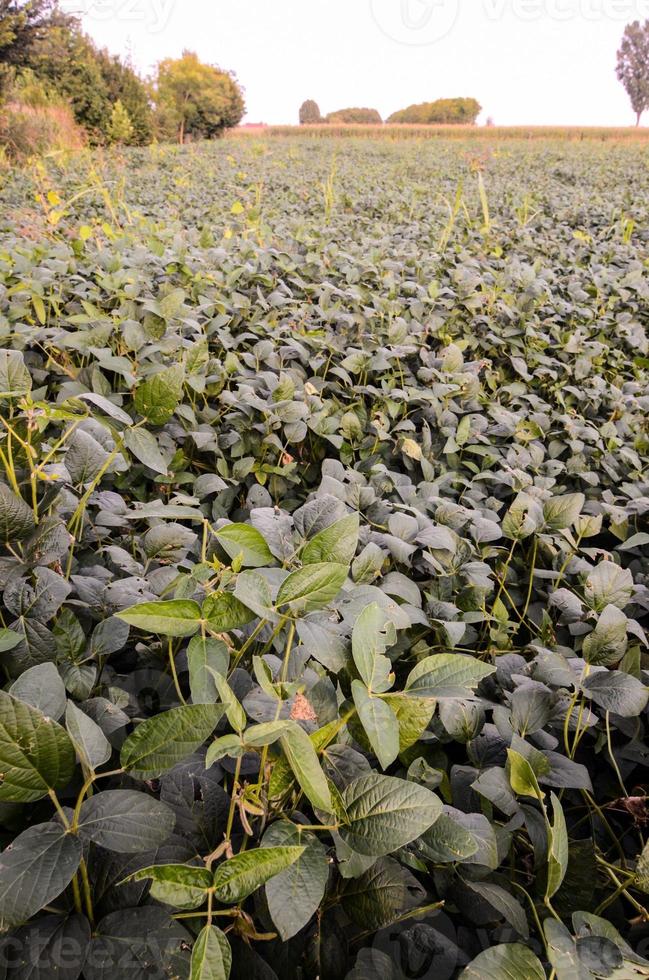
(120, 129)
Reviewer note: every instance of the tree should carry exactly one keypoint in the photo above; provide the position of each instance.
(120, 129)
(125, 86)
(359, 117)
(633, 66)
(310, 113)
(23, 23)
(195, 99)
(458, 112)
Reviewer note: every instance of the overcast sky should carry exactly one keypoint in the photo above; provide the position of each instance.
(526, 61)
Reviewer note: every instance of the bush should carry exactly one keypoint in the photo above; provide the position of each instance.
(364, 117)
(27, 131)
(443, 111)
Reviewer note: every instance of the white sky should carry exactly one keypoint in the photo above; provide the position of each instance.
(526, 61)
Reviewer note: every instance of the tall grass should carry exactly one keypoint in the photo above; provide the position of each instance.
(28, 131)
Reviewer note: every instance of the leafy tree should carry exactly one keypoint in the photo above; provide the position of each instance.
(67, 60)
(310, 113)
(442, 112)
(120, 129)
(23, 23)
(363, 117)
(633, 66)
(195, 99)
(125, 85)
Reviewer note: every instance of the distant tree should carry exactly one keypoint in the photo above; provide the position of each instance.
(359, 117)
(460, 112)
(120, 128)
(310, 113)
(633, 66)
(195, 99)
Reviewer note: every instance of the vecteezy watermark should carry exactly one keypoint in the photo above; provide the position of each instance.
(153, 15)
(424, 22)
(416, 22)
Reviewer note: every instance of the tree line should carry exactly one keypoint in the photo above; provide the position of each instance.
(46, 60)
(460, 111)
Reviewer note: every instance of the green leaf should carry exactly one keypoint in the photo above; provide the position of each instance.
(43, 688)
(413, 716)
(294, 895)
(522, 777)
(236, 714)
(175, 617)
(34, 870)
(504, 903)
(380, 724)
(617, 692)
(311, 587)
(158, 397)
(9, 640)
(92, 746)
(204, 653)
(607, 644)
(36, 754)
(16, 518)
(243, 874)
(245, 540)
(558, 849)
(562, 512)
(384, 814)
(337, 543)
(224, 612)
(447, 842)
(160, 743)
(211, 956)
(303, 760)
(447, 675)
(512, 961)
(267, 734)
(15, 379)
(125, 821)
(373, 634)
(608, 585)
(381, 894)
(144, 446)
(178, 885)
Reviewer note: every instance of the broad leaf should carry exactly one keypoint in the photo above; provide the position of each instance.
(447, 675)
(236, 879)
(211, 955)
(161, 742)
(312, 587)
(384, 814)
(36, 754)
(176, 617)
(247, 541)
(125, 821)
(294, 895)
(38, 866)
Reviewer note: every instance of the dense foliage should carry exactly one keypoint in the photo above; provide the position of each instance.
(195, 100)
(633, 66)
(355, 116)
(443, 111)
(310, 113)
(324, 509)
